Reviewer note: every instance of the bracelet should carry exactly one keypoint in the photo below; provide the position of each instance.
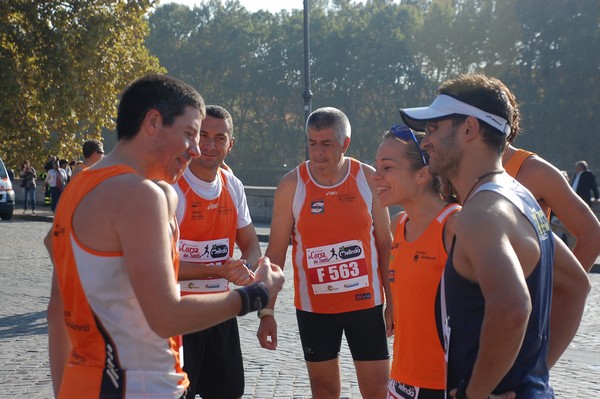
(254, 297)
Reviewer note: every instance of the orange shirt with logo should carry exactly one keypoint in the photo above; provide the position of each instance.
(114, 351)
(208, 230)
(415, 271)
(334, 252)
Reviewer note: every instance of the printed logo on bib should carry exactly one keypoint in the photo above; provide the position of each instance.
(204, 286)
(542, 224)
(337, 268)
(212, 252)
(317, 207)
(399, 390)
(204, 251)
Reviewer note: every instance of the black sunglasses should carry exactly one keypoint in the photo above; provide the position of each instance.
(404, 133)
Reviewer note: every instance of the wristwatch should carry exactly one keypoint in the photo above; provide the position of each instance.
(265, 312)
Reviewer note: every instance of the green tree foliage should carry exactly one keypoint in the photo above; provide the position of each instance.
(543, 49)
(371, 58)
(252, 63)
(363, 65)
(62, 66)
(557, 79)
(249, 63)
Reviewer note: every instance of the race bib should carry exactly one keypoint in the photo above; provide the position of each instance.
(213, 252)
(337, 268)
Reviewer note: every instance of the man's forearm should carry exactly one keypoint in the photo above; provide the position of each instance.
(586, 250)
(199, 271)
(59, 345)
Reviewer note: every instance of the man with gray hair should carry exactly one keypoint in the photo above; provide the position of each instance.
(329, 208)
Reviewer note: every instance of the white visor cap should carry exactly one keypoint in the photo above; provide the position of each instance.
(446, 106)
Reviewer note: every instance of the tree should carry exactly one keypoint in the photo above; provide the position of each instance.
(372, 57)
(557, 72)
(62, 65)
(250, 63)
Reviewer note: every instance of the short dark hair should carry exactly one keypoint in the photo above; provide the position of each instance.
(218, 112)
(90, 147)
(490, 95)
(167, 95)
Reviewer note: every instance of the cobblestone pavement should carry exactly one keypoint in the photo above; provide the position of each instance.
(25, 272)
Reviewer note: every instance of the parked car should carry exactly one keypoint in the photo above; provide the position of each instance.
(7, 194)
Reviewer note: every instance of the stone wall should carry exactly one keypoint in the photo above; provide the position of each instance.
(260, 202)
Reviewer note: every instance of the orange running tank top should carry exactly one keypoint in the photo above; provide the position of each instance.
(114, 351)
(334, 253)
(513, 165)
(208, 230)
(415, 272)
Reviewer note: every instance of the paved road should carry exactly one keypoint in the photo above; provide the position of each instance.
(25, 272)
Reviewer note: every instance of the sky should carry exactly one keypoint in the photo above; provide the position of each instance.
(253, 5)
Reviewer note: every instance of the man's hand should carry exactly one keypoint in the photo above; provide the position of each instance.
(237, 272)
(270, 274)
(267, 333)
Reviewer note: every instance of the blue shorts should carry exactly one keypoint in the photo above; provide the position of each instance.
(321, 334)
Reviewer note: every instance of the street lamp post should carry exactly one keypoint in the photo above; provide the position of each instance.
(307, 93)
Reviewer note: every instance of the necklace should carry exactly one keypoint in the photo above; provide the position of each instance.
(483, 176)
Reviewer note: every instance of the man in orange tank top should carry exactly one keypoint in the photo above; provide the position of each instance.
(553, 193)
(328, 206)
(213, 215)
(115, 309)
